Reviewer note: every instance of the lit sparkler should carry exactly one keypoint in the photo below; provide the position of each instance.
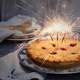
(75, 37)
(57, 36)
(51, 37)
(63, 37)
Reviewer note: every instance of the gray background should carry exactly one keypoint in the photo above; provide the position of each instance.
(10, 8)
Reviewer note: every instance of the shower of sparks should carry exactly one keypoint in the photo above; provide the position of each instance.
(57, 26)
(46, 10)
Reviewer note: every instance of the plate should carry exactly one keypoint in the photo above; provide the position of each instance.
(19, 36)
(27, 63)
(20, 39)
(23, 37)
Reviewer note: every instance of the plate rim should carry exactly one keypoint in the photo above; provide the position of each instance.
(43, 71)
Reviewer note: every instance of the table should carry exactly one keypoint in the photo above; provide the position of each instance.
(10, 68)
(7, 46)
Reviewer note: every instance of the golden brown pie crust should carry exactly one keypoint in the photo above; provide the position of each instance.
(54, 54)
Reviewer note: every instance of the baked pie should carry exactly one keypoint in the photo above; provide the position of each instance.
(54, 53)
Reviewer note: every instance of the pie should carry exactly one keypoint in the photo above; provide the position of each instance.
(54, 53)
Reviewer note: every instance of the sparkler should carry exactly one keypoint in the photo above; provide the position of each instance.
(75, 37)
(63, 37)
(51, 37)
(57, 36)
(57, 39)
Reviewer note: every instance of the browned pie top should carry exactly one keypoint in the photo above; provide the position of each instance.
(68, 50)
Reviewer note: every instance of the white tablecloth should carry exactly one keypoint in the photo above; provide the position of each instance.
(10, 69)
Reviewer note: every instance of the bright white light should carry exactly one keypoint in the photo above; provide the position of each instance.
(57, 27)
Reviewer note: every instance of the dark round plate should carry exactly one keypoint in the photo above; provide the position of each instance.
(25, 61)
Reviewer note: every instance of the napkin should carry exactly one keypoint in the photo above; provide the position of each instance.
(18, 20)
(10, 69)
(5, 33)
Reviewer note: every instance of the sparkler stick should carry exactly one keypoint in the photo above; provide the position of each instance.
(57, 36)
(51, 37)
(63, 37)
(57, 39)
(75, 37)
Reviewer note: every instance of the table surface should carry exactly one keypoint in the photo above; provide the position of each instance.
(10, 68)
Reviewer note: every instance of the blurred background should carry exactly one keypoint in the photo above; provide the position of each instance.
(10, 8)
